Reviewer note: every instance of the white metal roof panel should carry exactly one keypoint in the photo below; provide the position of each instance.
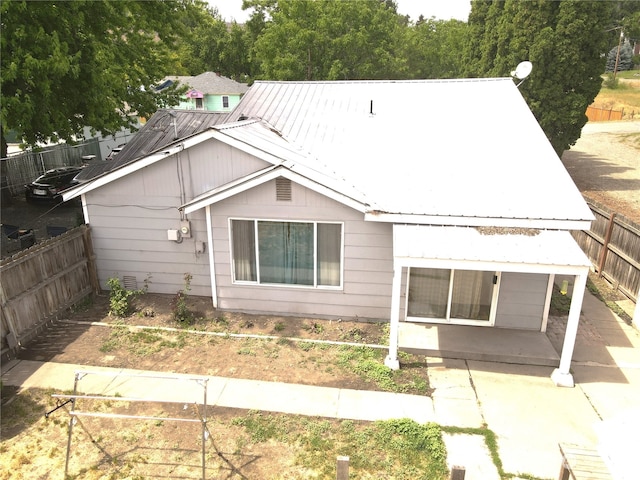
(544, 247)
(465, 148)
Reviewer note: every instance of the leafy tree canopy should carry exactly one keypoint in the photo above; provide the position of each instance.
(328, 40)
(565, 40)
(67, 65)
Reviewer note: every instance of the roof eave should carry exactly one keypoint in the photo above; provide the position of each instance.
(461, 221)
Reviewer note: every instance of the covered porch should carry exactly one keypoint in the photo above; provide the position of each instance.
(530, 251)
(504, 345)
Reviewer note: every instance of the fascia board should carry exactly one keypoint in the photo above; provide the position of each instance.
(542, 224)
(501, 266)
(135, 166)
(245, 147)
(268, 176)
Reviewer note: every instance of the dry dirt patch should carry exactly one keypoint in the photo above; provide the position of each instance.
(208, 346)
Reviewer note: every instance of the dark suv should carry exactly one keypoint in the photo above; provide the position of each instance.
(49, 185)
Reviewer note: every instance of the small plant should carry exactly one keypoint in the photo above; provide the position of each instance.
(314, 327)
(279, 327)
(120, 298)
(181, 312)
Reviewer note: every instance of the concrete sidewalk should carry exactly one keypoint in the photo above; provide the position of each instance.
(519, 403)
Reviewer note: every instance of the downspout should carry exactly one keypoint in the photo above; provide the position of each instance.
(392, 359)
(212, 262)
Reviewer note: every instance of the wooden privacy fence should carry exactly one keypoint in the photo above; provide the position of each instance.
(613, 246)
(42, 281)
(595, 114)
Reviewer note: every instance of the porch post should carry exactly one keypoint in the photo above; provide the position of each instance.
(392, 359)
(562, 376)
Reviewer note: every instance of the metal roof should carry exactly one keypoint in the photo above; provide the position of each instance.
(467, 244)
(164, 128)
(444, 148)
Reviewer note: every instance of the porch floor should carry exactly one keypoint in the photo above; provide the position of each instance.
(478, 343)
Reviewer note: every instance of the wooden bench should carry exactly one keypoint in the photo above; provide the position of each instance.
(582, 463)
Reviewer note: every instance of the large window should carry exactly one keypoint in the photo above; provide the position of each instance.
(288, 253)
(450, 294)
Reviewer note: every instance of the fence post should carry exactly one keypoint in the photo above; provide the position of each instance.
(342, 468)
(605, 245)
(458, 473)
(91, 260)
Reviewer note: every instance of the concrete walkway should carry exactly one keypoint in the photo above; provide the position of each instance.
(520, 403)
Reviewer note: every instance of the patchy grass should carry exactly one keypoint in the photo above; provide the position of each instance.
(241, 445)
(385, 449)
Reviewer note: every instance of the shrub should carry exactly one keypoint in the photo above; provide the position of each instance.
(120, 298)
(181, 312)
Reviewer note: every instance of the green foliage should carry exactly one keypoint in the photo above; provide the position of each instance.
(181, 312)
(624, 58)
(385, 449)
(552, 35)
(67, 65)
(368, 364)
(120, 298)
(329, 40)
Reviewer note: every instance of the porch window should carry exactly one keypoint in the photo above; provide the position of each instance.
(287, 253)
(450, 294)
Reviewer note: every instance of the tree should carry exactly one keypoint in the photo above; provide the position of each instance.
(433, 48)
(329, 40)
(565, 40)
(623, 59)
(70, 65)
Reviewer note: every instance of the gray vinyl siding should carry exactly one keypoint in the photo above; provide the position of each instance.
(368, 254)
(521, 300)
(129, 218)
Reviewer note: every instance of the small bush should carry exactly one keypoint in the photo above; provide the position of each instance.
(181, 312)
(120, 298)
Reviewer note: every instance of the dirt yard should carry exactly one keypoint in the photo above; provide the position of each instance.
(209, 346)
(605, 165)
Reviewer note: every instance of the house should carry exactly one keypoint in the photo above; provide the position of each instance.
(338, 200)
(209, 91)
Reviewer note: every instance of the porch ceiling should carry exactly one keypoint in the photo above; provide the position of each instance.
(549, 251)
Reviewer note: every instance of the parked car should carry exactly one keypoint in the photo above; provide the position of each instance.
(49, 185)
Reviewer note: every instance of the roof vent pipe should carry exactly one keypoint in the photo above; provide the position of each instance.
(371, 108)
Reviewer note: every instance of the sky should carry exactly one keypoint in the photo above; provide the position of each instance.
(441, 9)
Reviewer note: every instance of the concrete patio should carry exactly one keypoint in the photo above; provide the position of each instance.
(487, 344)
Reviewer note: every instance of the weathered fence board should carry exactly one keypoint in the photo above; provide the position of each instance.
(40, 282)
(23, 168)
(613, 246)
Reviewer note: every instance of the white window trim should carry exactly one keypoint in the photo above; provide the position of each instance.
(315, 286)
(456, 321)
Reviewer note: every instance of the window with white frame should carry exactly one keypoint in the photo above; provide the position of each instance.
(287, 253)
(451, 294)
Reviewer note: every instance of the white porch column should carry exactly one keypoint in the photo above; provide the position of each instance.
(562, 376)
(392, 359)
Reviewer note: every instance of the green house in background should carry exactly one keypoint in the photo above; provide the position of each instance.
(210, 91)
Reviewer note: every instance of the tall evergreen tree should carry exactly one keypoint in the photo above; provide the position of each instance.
(623, 58)
(565, 40)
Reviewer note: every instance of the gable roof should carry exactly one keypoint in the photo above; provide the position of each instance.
(427, 150)
(212, 83)
(164, 128)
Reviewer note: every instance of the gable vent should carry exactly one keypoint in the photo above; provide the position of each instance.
(283, 189)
